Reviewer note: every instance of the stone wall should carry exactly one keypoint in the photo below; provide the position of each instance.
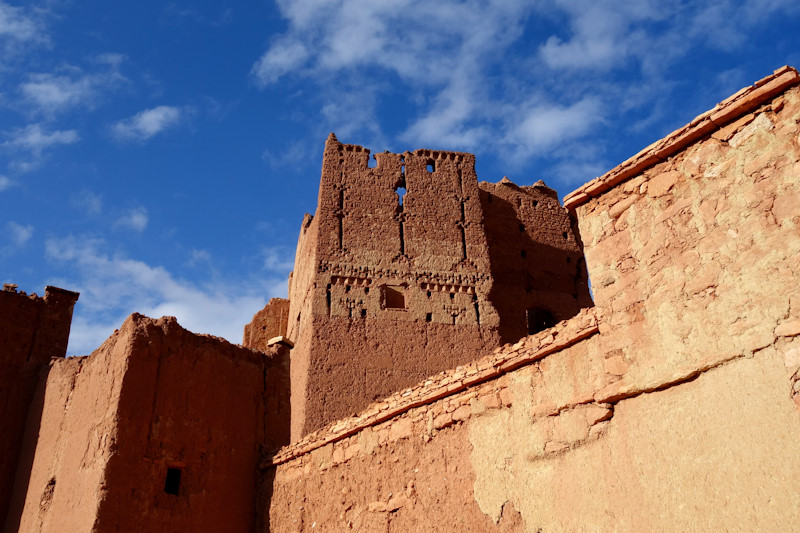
(158, 430)
(32, 330)
(675, 411)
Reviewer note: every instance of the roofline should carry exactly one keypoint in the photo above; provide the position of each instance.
(723, 113)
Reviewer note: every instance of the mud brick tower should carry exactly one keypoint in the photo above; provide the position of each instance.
(408, 268)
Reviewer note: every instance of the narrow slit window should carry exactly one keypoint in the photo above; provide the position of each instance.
(431, 166)
(172, 481)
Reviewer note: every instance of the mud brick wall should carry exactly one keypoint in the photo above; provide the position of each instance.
(675, 411)
(536, 258)
(32, 330)
(270, 322)
(405, 256)
(153, 398)
(391, 269)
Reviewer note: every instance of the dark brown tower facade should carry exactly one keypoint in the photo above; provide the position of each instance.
(394, 275)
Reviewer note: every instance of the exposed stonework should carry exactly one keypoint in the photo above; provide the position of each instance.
(32, 330)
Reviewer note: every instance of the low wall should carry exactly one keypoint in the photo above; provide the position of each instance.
(529, 439)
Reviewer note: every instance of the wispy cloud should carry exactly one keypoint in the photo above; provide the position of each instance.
(279, 259)
(135, 219)
(467, 68)
(28, 144)
(112, 286)
(87, 202)
(70, 87)
(19, 25)
(5, 183)
(148, 123)
(18, 234)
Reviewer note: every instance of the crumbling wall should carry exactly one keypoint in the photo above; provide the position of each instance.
(675, 413)
(405, 256)
(32, 330)
(267, 323)
(393, 266)
(536, 258)
(158, 430)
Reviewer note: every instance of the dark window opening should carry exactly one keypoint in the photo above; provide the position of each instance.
(539, 320)
(394, 297)
(452, 296)
(366, 290)
(431, 166)
(363, 313)
(564, 235)
(172, 483)
(429, 294)
(535, 203)
(428, 317)
(347, 288)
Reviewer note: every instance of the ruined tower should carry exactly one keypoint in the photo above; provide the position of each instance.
(395, 278)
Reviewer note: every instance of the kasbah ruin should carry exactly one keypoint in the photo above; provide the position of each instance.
(441, 364)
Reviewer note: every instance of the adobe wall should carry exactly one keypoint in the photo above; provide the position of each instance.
(671, 410)
(388, 274)
(267, 323)
(32, 330)
(153, 397)
(536, 256)
(410, 267)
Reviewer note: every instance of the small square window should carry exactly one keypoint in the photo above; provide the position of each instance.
(394, 297)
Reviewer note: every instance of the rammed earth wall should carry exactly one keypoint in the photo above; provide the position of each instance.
(677, 413)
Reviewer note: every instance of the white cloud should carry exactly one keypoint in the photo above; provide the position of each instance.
(147, 123)
(112, 286)
(35, 139)
(5, 183)
(88, 202)
(603, 32)
(277, 259)
(281, 58)
(18, 25)
(543, 126)
(134, 219)
(19, 234)
(467, 68)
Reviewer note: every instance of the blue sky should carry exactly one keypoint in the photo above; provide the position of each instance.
(159, 157)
